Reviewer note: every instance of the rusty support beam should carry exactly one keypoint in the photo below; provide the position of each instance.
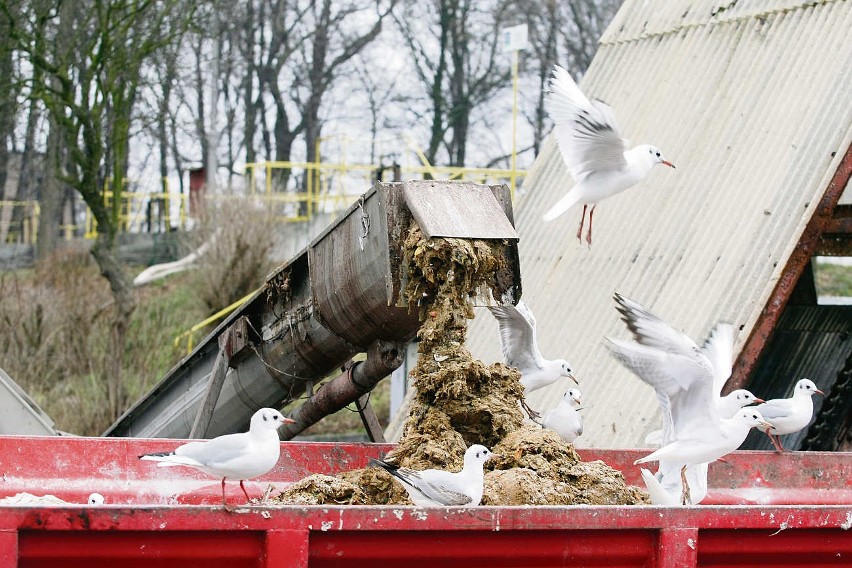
(370, 420)
(356, 381)
(233, 341)
(823, 215)
(837, 238)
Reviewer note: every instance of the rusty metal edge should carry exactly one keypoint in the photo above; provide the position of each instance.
(807, 246)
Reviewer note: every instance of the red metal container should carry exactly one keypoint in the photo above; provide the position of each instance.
(766, 510)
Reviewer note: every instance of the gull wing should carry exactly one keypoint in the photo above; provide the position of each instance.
(518, 336)
(430, 484)
(215, 452)
(775, 408)
(586, 131)
(671, 363)
(719, 349)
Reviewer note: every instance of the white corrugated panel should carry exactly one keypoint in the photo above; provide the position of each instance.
(754, 106)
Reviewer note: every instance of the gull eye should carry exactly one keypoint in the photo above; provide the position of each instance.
(658, 154)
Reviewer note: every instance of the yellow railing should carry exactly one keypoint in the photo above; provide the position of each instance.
(138, 209)
(295, 190)
(24, 231)
(190, 333)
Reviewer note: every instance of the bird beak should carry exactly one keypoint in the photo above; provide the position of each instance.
(288, 421)
(577, 400)
(819, 392)
(766, 425)
(758, 401)
(669, 164)
(493, 455)
(573, 378)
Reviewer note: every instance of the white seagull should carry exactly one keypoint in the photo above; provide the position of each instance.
(437, 488)
(719, 350)
(593, 149)
(520, 349)
(682, 377)
(232, 456)
(789, 415)
(565, 418)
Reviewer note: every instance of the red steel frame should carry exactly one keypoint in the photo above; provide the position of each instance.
(170, 516)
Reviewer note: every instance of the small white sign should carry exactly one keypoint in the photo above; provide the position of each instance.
(515, 38)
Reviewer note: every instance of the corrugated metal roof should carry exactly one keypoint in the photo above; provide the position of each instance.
(753, 103)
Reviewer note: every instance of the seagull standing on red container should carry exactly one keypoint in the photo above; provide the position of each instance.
(593, 149)
(789, 415)
(232, 456)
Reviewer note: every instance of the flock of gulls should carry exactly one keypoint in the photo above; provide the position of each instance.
(699, 424)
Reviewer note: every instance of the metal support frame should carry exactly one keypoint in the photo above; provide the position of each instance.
(231, 344)
(810, 243)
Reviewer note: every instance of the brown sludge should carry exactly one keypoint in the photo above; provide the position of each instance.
(461, 401)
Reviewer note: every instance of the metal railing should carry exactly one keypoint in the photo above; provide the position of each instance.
(296, 191)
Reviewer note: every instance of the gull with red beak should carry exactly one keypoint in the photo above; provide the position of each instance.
(565, 418)
(789, 415)
(520, 349)
(232, 456)
(439, 488)
(592, 147)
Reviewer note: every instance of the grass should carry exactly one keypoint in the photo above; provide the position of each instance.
(55, 330)
(833, 279)
(54, 326)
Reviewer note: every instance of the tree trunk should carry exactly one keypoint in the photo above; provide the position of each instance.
(26, 173)
(124, 303)
(436, 95)
(50, 196)
(250, 122)
(8, 94)
(163, 137)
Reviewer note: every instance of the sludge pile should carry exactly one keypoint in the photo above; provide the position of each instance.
(461, 401)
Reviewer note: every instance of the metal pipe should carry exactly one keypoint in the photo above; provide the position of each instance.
(383, 357)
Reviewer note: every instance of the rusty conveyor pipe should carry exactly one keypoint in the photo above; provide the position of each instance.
(383, 357)
(344, 292)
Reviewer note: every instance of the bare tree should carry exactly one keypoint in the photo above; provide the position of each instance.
(454, 46)
(91, 77)
(564, 32)
(335, 40)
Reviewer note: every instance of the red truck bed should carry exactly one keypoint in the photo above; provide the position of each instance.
(765, 509)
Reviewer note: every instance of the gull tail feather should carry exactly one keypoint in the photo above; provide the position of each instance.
(169, 459)
(568, 201)
(659, 496)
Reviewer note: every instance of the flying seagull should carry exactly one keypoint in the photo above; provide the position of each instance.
(682, 376)
(593, 149)
(520, 349)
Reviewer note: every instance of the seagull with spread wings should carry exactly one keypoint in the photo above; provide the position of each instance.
(592, 147)
(520, 349)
